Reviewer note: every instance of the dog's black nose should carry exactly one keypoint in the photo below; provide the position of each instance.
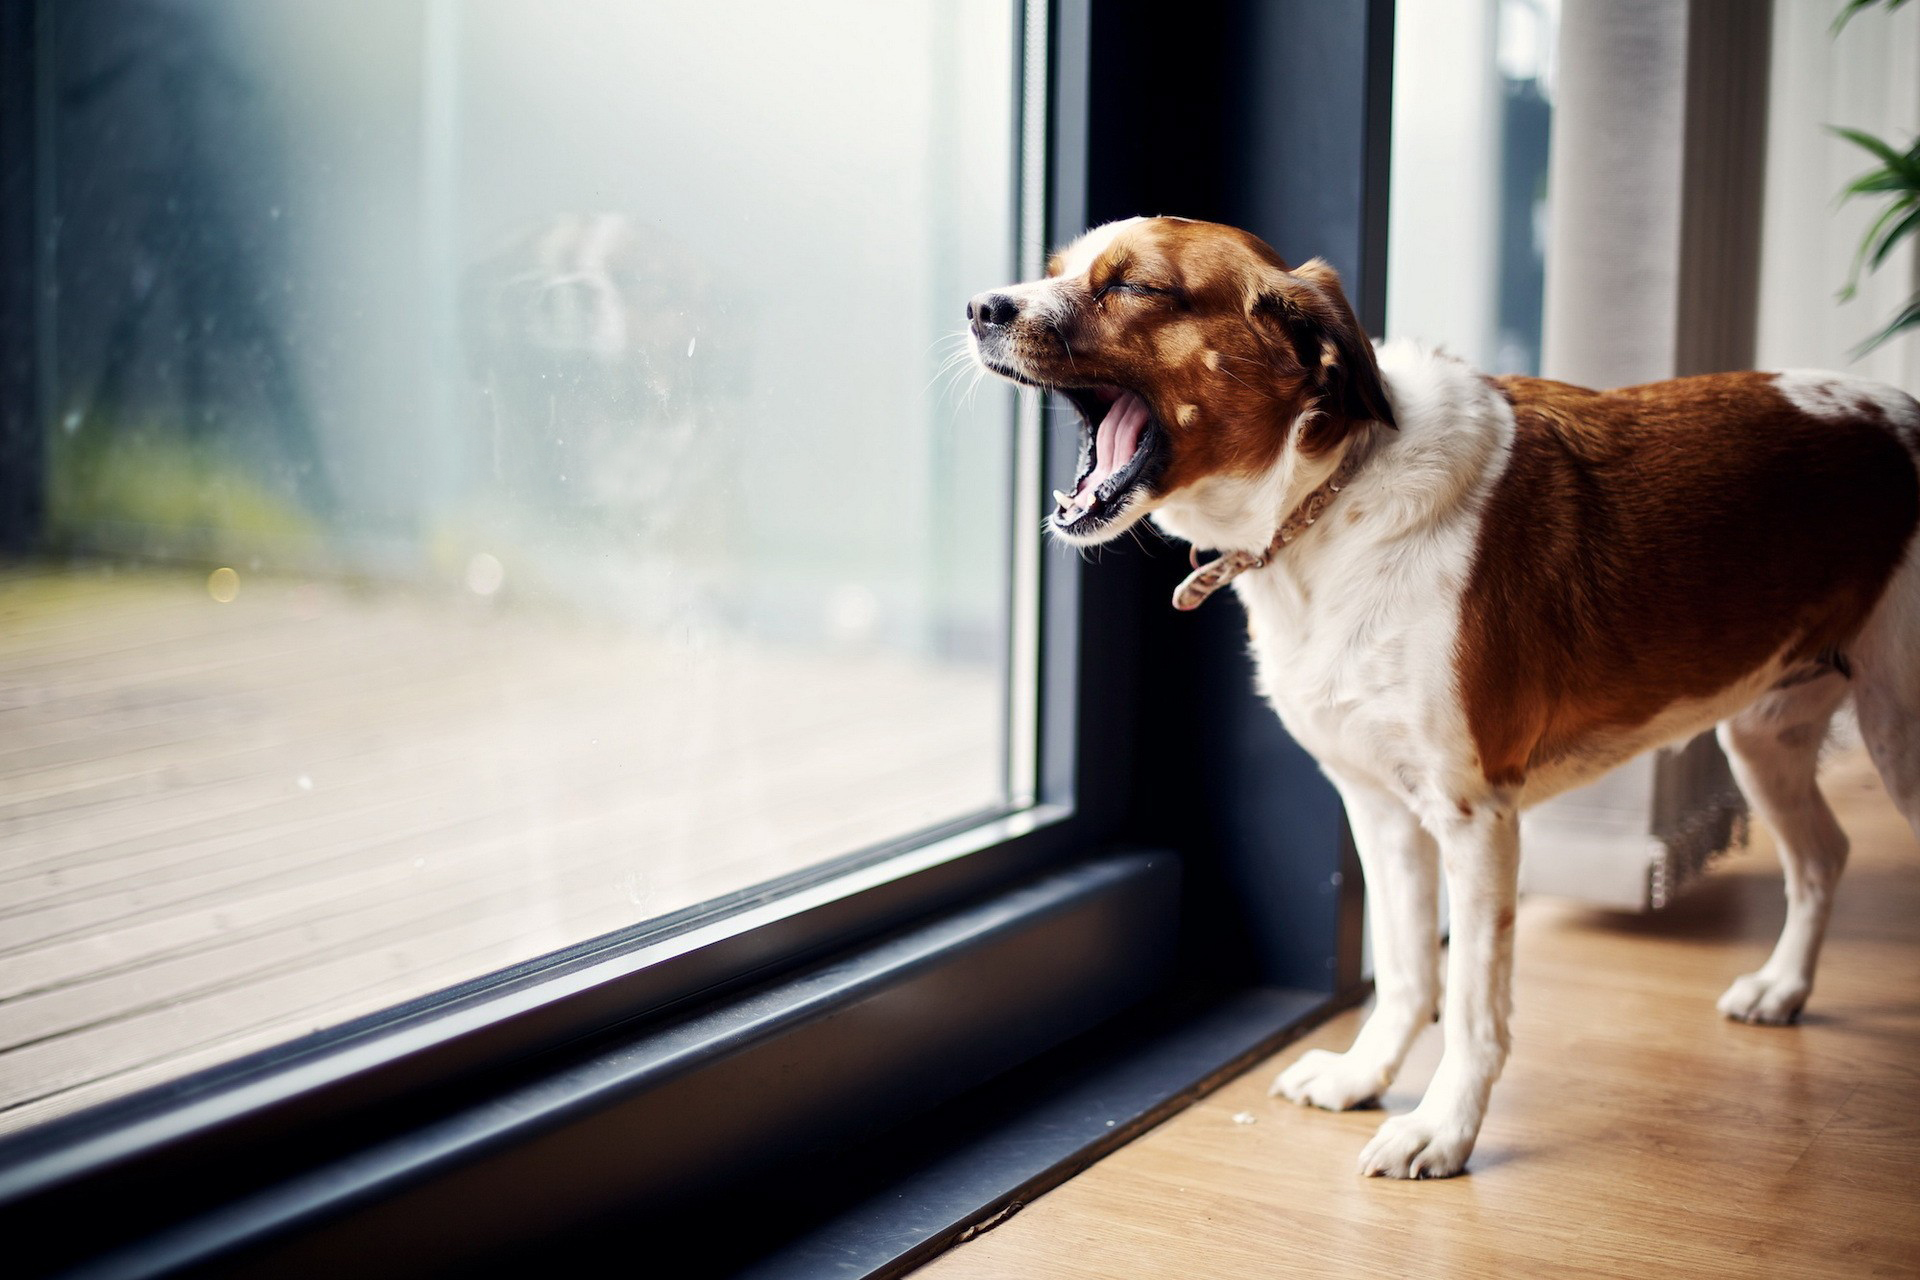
(992, 310)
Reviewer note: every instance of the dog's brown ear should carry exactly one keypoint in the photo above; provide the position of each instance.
(1308, 310)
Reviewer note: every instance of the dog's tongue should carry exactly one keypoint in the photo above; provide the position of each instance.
(1118, 437)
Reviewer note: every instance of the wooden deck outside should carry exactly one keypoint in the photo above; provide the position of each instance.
(225, 825)
(1636, 1133)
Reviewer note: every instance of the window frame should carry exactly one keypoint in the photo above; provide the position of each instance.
(1225, 916)
(650, 971)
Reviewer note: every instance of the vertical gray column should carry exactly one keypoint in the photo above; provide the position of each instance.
(1659, 135)
(1729, 46)
(1613, 224)
(1653, 264)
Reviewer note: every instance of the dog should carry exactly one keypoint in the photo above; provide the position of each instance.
(580, 332)
(1468, 593)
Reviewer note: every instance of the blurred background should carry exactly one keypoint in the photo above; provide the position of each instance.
(1718, 113)
(381, 287)
(498, 477)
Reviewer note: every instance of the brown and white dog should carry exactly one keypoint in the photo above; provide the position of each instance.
(1466, 594)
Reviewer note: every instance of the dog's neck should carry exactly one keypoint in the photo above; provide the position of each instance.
(1216, 573)
(1241, 513)
(1453, 431)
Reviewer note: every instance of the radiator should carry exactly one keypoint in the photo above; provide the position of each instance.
(1636, 838)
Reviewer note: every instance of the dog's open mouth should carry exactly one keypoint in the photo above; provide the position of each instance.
(1119, 441)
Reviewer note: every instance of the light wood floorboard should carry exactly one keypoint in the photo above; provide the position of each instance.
(1634, 1134)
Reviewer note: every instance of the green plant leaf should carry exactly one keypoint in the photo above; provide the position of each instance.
(1900, 232)
(1855, 6)
(1866, 248)
(1879, 180)
(1861, 138)
(1898, 172)
(1907, 319)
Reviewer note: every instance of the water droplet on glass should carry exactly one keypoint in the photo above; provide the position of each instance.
(304, 782)
(690, 342)
(853, 613)
(485, 574)
(223, 585)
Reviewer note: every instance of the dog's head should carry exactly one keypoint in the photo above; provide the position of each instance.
(1192, 354)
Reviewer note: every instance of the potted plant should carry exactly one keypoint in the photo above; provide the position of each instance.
(1894, 179)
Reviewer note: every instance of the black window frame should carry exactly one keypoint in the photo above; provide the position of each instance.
(1180, 849)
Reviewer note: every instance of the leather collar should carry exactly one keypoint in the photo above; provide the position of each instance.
(1218, 572)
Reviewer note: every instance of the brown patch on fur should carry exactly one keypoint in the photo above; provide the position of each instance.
(1178, 342)
(1504, 920)
(1466, 810)
(1274, 344)
(1660, 542)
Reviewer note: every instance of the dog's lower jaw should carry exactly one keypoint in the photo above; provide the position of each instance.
(1134, 509)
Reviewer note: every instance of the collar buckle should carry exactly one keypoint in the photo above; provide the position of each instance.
(1216, 573)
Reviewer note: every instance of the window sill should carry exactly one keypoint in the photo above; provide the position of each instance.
(641, 1123)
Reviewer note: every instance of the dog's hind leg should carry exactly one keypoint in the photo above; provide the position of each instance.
(1774, 747)
(1401, 865)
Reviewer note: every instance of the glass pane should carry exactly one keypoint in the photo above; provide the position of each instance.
(1467, 227)
(502, 487)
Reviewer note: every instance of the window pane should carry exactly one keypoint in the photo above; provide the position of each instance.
(1467, 230)
(502, 488)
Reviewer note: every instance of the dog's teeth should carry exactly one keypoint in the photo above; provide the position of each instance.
(1062, 500)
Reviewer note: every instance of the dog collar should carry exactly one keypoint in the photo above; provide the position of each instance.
(1224, 568)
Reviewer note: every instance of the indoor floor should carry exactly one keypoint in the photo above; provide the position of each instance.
(1635, 1132)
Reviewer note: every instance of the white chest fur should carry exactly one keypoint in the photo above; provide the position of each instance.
(1354, 624)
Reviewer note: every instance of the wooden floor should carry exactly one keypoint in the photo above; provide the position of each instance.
(225, 825)
(1635, 1133)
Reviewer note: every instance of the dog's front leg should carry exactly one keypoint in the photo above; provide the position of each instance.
(1481, 850)
(1401, 864)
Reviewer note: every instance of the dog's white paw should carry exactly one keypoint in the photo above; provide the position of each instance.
(1418, 1146)
(1762, 997)
(1333, 1081)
